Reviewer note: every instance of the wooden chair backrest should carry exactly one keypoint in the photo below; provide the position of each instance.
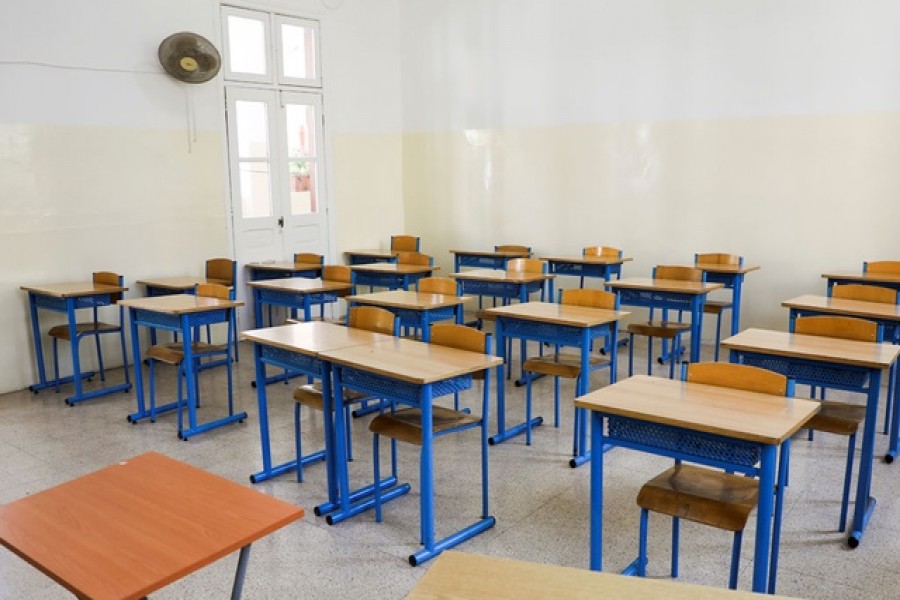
(512, 248)
(718, 258)
(846, 328)
(405, 243)
(414, 258)
(601, 251)
(738, 377)
(222, 270)
(373, 318)
(866, 293)
(677, 273)
(882, 267)
(213, 290)
(340, 273)
(460, 337)
(438, 285)
(309, 257)
(109, 278)
(527, 265)
(590, 298)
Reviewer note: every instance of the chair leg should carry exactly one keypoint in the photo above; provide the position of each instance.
(630, 354)
(650, 354)
(676, 544)
(556, 402)
(100, 358)
(527, 408)
(642, 544)
(735, 559)
(151, 374)
(376, 462)
(848, 475)
(718, 335)
(181, 402)
(56, 365)
(298, 443)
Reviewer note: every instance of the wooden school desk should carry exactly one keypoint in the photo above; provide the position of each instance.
(364, 257)
(688, 296)
(297, 348)
(817, 360)
(294, 294)
(411, 373)
(735, 428)
(278, 269)
(507, 285)
(883, 279)
(389, 275)
(67, 298)
(180, 313)
(552, 323)
(415, 309)
(603, 267)
(484, 259)
(136, 526)
(458, 576)
(732, 277)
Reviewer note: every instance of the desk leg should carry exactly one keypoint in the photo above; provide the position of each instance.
(894, 399)
(596, 506)
(243, 559)
(696, 327)
(257, 309)
(73, 344)
(190, 375)
(138, 371)
(865, 504)
(780, 490)
(503, 433)
(38, 345)
(764, 519)
(737, 285)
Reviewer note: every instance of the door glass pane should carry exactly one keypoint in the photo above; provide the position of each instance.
(301, 130)
(252, 129)
(247, 45)
(256, 190)
(303, 187)
(298, 51)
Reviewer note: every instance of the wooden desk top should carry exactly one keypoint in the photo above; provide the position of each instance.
(560, 314)
(843, 306)
(727, 269)
(284, 266)
(664, 285)
(179, 304)
(394, 268)
(301, 285)
(502, 276)
(738, 414)
(176, 282)
(372, 253)
(313, 337)
(409, 360)
(587, 260)
(493, 253)
(407, 299)
(846, 352)
(74, 289)
(135, 526)
(458, 576)
(872, 278)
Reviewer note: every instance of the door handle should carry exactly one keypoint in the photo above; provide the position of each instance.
(281, 222)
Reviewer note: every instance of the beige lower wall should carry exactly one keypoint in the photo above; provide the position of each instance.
(797, 196)
(74, 200)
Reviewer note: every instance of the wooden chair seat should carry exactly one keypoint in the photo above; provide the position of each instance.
(564, 364)
(61, 332)
(406, 425)
(172, 353)
(715, 307)
(838, 417)
(701, 495)
(311, 395)
(660, 329)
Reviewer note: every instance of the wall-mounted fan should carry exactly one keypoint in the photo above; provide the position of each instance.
(189, 57)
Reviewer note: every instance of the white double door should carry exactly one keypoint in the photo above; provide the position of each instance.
(277, 178)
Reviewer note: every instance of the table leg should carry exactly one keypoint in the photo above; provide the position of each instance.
(894, 399)
(596, 506)
(696, 327)
(38, 345)
(865, 504)
(257, 308)
(190, 374)
(243, 559)
(737, 286)
(73, 344)
(764, 513)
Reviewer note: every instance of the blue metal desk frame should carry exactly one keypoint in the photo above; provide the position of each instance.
(766, 509)
(291, 299)
(836, 375)
(412, 394)
(365, 257)
(733, 281)
(68, 305)
(386, 279)
(264, 271)
(184, 324)
(564, 335)
(487, 259)
(583, 266)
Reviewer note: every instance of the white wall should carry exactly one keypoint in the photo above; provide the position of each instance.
(762, 128)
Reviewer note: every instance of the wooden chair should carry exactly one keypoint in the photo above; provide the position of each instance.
(605, 251)
(717, 307)
(405, 424)
(882, 267)
(224, 272)
(839, 418)
(340, 274)
(370, 318)
(512, 248)
(666, 330)
(414, 258)
(95, 328)
(704, 495)
(567, 365)
(405, 243)
(172, 353)
(308, 257)
(438, 285)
